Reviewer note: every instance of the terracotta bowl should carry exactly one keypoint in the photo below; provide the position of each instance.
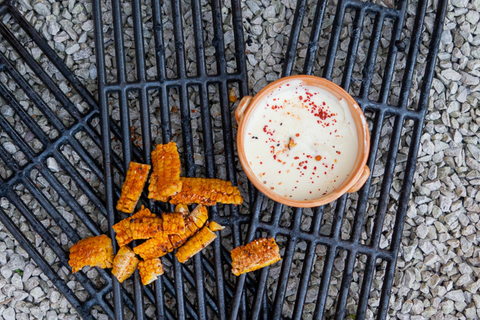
(360, 171)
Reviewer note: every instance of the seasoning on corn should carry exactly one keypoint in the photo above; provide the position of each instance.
(173, 223)
(124, 264)
(198, 242)
(161, 244)
(254, 255)
(124, 233)
(165, 180)
(93, 252)
(150, 270)
(132, 188)
(207, 192)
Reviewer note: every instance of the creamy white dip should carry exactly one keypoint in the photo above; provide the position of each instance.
(301, 141)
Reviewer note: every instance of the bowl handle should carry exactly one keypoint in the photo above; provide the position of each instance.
(242, 107)
(361, 181)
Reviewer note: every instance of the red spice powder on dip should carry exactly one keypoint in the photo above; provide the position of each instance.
(301, 141)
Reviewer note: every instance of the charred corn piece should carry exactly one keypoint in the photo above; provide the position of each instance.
(124, 264)
(207, 192)
(162, 243)
(254, 255)
(122, 228)
(154, 248)
(132, 188)
(165, 180)
(215, 226)
(93, 252)
(145, 228)
(197, 243)
(182, 208)
(150, 270)
(173, 223)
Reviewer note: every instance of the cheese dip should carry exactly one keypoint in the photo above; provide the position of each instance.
(301, 141)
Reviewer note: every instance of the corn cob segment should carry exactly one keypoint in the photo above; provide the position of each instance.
(124, 264)
(124, 234)
(154, 248)
(197, 243)
(161, 244)
(165, 180)
(132, 188)
(93, 252)
(207, 192)
(183, 209)
(150, 270)
(145, 228)
(173, 223)
(254, 255)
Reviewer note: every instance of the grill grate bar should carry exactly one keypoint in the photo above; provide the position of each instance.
(119, 42)
(24, 147)
(294, 36)
(286, 266)
(67, 104)
(412, 54)
(353, 48)
(392, 54)
(172, 82)
(8, 159)
(79, 180)
(48, 238)
(45, 266)
(139, 49)
(8, 96)
(369, 67)
(308, 265)
(335, 38)
(313, 43)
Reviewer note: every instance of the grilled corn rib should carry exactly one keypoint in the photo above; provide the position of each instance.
(124, 234)
(124, 264)
(173, 223)
(132, 188)
(254, 255)
(93, 252)
(150, 270)
(207, 192)
(198, 242)
(165, 180)
(161, 244)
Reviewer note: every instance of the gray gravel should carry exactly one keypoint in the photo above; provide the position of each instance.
(439, 264)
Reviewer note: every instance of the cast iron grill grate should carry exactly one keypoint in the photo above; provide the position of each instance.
(360, 234)
(153, 86)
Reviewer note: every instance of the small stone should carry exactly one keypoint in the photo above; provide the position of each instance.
(445, 203)
(426, 246)
(456, 295)
(472, 17)
(422, 231)
(37, 293)
(52, 164)
(10, 147)
(9, 314)
(72, 48)
(447, 306)
(450, 74)
(87, 25)
(42, 7)
(53, 27)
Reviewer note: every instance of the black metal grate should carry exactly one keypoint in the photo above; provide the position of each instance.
(322, 233)
(33, 157)
(150, 95)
